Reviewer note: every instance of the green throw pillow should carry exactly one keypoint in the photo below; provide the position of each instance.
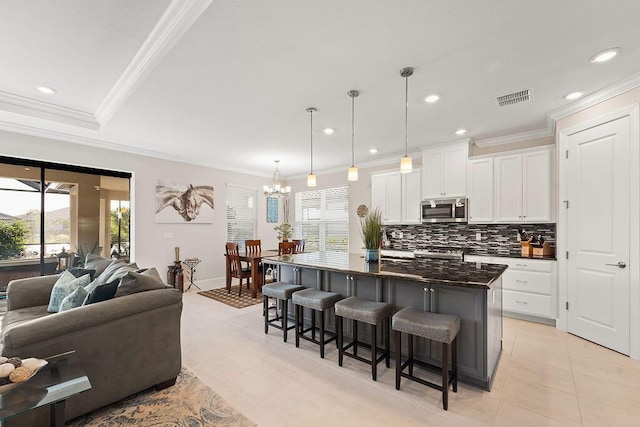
(73, 300)
(64, 286)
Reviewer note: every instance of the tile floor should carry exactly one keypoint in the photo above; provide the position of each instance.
(546, 378)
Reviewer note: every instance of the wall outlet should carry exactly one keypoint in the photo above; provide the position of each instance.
(478, 236)
(168, 235)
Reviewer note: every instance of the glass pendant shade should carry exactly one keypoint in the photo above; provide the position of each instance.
(311, 180)
(406, 164)
(352, 174)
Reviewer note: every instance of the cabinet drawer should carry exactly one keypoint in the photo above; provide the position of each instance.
(528, 281)
(527, 264)
(526, 303)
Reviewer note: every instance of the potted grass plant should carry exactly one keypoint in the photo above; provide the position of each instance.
(371, 233)
(285, 231)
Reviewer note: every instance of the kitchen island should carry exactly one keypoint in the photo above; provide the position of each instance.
(471, 291)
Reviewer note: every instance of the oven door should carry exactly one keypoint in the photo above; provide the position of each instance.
(444, 210)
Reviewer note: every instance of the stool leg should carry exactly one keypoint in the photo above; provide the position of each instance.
(296, 310)
(374, 352)
(410, 348)
(454, 363)
(397, 337)
(284, 319)
(340, 338)
(445, 375)
(265, 308)
(355, 337)
(313, 324)
(321, 333)
(387, 343)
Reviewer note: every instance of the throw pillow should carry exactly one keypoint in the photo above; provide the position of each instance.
(65, 284)
(73, 300)
(79, 272)
(97, 263)
(139, 282)
(115, 270)
(102, 293)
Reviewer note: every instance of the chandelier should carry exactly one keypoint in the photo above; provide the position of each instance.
(276, 189)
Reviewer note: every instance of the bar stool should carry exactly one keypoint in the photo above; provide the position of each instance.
(443, 328)
(316, 300)
(371, 312)
(282, 292)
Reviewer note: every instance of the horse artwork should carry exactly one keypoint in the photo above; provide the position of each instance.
(183, 203)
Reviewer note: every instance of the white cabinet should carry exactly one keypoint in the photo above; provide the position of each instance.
(386, 195)
(480, 188)
(524, 187)
(411, 197)
(445, 170)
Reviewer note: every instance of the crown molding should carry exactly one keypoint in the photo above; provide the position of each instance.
(174, 23)
(608, 92)
(516, 137)
(47, 111)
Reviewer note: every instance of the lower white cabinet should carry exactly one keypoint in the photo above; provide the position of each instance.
(529, 285)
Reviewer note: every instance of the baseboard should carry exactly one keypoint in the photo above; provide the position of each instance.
(551, 322)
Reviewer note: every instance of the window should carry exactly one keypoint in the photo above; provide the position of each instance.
(241, 214)
(322, 219)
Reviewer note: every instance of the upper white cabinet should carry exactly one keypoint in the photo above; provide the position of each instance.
(480, 190)
(445, 172)
(398, 196)
(524, 187)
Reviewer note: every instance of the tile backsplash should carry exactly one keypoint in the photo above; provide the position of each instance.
(495, 238)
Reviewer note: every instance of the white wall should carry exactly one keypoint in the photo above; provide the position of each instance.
(150, 248)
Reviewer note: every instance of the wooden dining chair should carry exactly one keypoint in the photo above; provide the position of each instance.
(299, 246)
(252, 247)
(235, 266)
(286, 248)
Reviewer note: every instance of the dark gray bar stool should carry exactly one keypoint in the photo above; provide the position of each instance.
(282, 292)
(316, 300)
(371, 312)
(436, 327)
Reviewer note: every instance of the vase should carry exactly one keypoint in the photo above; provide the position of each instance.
(371, 255)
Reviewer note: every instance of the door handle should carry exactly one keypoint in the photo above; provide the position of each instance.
(620, 264)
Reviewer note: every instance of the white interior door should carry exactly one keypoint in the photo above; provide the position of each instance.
(598, 234)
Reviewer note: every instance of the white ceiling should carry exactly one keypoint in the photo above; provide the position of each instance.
(226, 83)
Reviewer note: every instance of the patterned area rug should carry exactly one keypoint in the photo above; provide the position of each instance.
(232, 297)
(188, 403)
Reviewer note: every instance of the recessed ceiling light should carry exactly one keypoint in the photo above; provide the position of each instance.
(327, 131)
(373, 150)
(432, 98)
(461, 131)
(605, 55)
(46, 89)
(573, 95)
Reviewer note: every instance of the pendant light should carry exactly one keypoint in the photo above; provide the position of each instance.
(406, 163)
(311, 178)
(352, 175)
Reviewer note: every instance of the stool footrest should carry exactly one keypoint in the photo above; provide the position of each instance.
(362, 359)
(333, 336)
(273, 324)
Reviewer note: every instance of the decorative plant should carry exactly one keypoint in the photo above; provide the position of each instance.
(371, 229)
(285, 231)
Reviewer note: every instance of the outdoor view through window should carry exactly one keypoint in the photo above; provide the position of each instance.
(83, 213)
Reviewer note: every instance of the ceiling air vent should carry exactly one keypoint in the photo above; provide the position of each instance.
(515, 98)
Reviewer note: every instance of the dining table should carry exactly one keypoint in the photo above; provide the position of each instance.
(254, 261)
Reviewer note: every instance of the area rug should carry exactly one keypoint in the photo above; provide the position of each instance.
(232, 297)
(188, 403)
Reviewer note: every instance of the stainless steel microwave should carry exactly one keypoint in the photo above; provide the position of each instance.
(444, 210)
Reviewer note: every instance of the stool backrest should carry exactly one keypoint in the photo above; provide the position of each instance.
(299, 246)
(286, 248)
(233, 258)
(252, 247)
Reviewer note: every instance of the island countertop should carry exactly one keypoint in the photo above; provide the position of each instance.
(446, 272)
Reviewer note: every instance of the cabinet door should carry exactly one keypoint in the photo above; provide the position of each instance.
(537, 186)
(378, 191)
(454, 171)
(392, 212)
(481, 191)
(432, 174)
(508, 188)
(411, 196)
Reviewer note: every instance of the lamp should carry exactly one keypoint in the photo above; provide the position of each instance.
(406, 163)
(352, 175)
(63, 260)
(311, 178)
(276, 189)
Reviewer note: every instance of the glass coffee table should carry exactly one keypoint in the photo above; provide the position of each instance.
(60, 379)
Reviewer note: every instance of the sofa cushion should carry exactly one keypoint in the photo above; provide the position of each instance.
(15, 317)
(115, 271)
(134, 282)
(97, 263)
(79, 272)
(73, 300)
(102, 293)
(65, 285)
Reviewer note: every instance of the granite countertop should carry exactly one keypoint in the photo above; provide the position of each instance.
(436, 271)
(510, 255)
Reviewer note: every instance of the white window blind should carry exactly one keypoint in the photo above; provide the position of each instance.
(322, 219)
(241, 214)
